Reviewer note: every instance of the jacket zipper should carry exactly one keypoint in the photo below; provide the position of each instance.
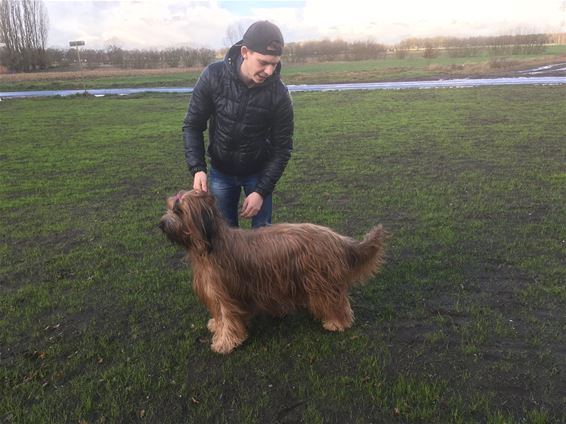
(241, 112)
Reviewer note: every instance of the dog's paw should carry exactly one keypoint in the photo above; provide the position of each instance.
(222, 347)
(212, 326)
(225, 342)
(333, 326)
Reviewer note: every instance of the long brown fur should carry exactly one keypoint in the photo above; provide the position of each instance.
(272, 270)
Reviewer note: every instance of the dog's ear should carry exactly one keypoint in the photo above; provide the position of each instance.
(208, 227)
(203, 219)
(177, 206)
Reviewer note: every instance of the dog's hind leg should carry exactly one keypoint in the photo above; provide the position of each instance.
(334, 312)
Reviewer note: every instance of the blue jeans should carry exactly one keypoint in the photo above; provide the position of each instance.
(226, 190)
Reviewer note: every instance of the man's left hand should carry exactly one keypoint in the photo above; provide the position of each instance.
(252, 205)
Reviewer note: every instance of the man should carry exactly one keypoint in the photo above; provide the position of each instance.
(250, 119)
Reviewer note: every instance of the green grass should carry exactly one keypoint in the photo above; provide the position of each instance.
(465, 324)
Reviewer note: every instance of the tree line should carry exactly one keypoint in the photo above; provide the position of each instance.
(182, 57)
(310, 51)
(334, 50)
(24, 28)
(473, 46)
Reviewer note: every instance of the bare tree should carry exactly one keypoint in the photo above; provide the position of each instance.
(23, 29)
(114, 51)
(234, 33)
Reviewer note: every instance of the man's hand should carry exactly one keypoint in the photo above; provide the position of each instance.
(252, 205)
(199, 181)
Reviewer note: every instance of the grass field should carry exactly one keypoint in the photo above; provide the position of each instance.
(390, 69)
(98, 323)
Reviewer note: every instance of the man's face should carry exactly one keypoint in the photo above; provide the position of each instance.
(258, 67)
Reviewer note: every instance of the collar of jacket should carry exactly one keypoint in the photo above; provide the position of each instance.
(233, 59)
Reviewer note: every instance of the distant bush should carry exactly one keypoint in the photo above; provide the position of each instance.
(464, 52)
(401, 53)
(430, 53)
(132, 59)
(502, 63)
(336, 50)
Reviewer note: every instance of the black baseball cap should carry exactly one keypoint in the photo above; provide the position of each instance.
(265, 38)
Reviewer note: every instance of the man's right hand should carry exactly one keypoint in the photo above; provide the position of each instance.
(199, 181)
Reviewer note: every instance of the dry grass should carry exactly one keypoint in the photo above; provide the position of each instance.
(415, 68)
(493, 66)
(482, 67)
(90, 73)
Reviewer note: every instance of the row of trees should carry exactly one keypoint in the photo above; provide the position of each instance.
(132, 59)
(327, 50)
(483, 41)
(428, 47)
(188, 57)
(473, 46)
(24, 28)
(23, 31)
(31, 59)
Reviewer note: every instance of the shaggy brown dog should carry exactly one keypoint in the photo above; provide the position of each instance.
(273, 270)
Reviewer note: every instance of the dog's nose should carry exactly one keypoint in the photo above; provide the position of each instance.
(161, 225)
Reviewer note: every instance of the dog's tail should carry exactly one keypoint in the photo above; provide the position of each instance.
(368, 255)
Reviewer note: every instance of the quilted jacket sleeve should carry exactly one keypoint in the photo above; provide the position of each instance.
(195, 123)
(281, 139)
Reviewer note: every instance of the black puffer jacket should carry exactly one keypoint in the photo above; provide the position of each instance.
(250, 129)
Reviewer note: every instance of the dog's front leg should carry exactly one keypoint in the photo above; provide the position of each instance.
(213, 307)
(230, 331)
(212, 325)
(205, 289)
(228, 318)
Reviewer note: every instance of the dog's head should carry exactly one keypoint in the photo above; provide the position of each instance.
(191, 220)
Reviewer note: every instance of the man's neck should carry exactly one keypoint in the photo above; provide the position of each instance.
(241, 74)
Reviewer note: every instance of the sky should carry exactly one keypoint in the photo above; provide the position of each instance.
(149, 24)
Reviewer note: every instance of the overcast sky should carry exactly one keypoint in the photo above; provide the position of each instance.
(146, 24)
